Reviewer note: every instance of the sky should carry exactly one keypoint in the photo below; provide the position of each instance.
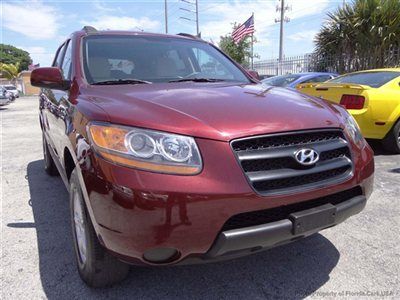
(40, 26)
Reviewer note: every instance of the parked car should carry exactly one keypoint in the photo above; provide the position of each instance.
(254, 74)
(4, 97)
(167, 162)
(372, 97)
(265, 76)
(291, 80)
(11, 89)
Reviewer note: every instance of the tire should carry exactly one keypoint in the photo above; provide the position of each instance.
(49, 165)
(391, 142)
(96, 266)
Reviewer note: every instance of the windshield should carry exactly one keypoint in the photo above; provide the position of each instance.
(282, 81)
(9, 87)
(154, 59)
(372, 79)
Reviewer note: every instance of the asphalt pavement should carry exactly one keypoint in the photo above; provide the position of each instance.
(360, 257)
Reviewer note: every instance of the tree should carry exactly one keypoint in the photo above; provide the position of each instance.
(362, 35)
(240, 52)
(12, 55)
(9, 71)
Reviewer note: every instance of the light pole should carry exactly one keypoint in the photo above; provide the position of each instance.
(166, 15)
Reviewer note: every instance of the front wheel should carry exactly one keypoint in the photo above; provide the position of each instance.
(96, 266)
(392, 140)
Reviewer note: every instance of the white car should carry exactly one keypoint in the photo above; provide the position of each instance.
(4, 97)
(11, 89)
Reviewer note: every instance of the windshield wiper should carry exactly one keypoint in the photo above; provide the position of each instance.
(122, 81)
(197, 80)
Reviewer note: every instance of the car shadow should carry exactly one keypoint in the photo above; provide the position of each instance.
(376, 145)
(291, 271)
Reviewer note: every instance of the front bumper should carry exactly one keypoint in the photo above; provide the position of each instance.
(135, 211)
(265, 236)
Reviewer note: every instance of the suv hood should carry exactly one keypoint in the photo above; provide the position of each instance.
(220, 111)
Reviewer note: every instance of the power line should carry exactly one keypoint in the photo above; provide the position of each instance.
(195, 6)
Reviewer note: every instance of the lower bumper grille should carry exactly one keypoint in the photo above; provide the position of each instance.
(279, 213)
(270, 164)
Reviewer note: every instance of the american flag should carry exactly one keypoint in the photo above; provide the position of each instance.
(243, 30)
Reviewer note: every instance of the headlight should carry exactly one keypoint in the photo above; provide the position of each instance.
(352, 129)
(146, 149)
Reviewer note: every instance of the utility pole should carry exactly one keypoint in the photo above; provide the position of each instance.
(281, 20)
(166, 15)
(281, 30)
(197, 18)
(196, 12)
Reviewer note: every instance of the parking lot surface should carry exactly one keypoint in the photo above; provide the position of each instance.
(359, 257)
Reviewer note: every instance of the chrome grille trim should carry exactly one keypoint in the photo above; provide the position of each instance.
(270, 168)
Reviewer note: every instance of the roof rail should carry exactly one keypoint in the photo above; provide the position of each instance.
(195, 37)
(89, 29)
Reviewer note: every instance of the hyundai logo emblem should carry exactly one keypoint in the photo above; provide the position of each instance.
(306, 156)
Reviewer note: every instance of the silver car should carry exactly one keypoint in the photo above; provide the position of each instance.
(11, 89)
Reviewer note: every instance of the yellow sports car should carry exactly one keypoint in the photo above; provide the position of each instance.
(372, 97)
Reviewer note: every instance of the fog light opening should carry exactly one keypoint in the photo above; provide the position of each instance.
(161, 255)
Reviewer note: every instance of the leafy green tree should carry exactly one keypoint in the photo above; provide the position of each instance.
(12, 55)
(361, 35)
(240, 52)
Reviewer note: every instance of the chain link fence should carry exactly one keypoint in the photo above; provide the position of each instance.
(317, 63)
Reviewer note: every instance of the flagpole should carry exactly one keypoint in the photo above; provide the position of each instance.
(252, 46)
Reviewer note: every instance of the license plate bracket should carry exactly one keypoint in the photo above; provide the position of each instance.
(313, 218)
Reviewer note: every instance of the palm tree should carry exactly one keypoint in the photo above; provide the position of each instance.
(361, 35)
(9, 71)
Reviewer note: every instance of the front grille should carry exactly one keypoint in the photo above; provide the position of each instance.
(271, 168)
(279, 213)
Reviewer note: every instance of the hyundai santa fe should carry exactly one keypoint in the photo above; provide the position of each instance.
(173, 154)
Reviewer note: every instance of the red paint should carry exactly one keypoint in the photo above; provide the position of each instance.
(134, 210)
(47, 77)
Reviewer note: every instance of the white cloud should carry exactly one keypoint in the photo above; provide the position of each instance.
(34, 19)
(123, 23)
(39, 55)
(303, 35)
(102, 7)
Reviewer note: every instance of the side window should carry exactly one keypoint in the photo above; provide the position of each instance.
(66, 63)
(59, 55)
(310, 80)
(209, 65)
(322, 78)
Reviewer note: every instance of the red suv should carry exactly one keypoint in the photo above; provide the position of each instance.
(173, 154)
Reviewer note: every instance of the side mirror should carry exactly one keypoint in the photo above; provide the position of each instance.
(253, 74)
(49, 78)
